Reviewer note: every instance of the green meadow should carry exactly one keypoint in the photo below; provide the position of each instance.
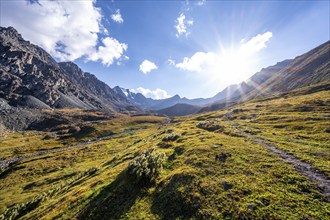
(210, 170)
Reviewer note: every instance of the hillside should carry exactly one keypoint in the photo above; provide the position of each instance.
(308, 69)
(257, 160)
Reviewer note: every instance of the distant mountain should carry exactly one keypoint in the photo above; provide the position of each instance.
(175, 105)
(136, 98)
(30, 77)
(179, 110)
(157, 104)
(124, 93)
(144, 102)
(225, 94)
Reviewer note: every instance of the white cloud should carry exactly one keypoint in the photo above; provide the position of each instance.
(181, 25)
(68, 30)
(256, 43)
(117, 17)
(146, 66)
(154, 94)
(111, 50)
(204, 61)
(197, 62)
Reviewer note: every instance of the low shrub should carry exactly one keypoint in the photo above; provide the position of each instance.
(147, 166)
(177, 151)
(171, 137)
(165, 144)
(210, 125)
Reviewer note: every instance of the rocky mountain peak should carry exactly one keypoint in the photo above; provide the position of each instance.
(11, 40)
(31, 78)
(10, 33)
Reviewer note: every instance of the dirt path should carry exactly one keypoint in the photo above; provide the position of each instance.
(6, 163)
(302, 167)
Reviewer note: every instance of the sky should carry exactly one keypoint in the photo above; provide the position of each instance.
(163, 48)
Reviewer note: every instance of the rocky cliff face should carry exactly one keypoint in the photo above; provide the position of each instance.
(30, 77)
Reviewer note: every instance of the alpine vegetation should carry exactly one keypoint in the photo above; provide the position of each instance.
(147, 166)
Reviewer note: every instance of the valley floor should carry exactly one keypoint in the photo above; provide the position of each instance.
(219, 165)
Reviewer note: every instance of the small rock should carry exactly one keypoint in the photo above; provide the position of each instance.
(250, 207)
(226, 185)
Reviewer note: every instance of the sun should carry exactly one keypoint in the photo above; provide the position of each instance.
(233, 66)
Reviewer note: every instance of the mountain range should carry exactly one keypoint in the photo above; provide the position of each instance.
(308, 69)
(31, 78)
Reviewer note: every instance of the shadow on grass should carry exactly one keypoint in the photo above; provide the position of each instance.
(114, 200)
(78, 133)
(84, 131)
(20, 209)
(175, 200)
(12, 168)
(48, 181)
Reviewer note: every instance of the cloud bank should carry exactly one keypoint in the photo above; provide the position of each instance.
(154, 94)
(197, 62)
(68, 30)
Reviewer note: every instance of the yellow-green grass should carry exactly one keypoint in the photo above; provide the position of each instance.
(299, 124)
(250, 183)
(21, 143)
(37, 174)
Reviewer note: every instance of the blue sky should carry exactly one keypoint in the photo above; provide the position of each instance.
(163, 48)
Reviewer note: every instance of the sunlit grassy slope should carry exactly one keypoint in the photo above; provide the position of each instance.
(90, 182)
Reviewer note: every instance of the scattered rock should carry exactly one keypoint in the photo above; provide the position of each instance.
(222, 157)
(250, 207)
(226, 185)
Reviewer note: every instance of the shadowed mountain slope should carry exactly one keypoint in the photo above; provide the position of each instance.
(180, 110)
